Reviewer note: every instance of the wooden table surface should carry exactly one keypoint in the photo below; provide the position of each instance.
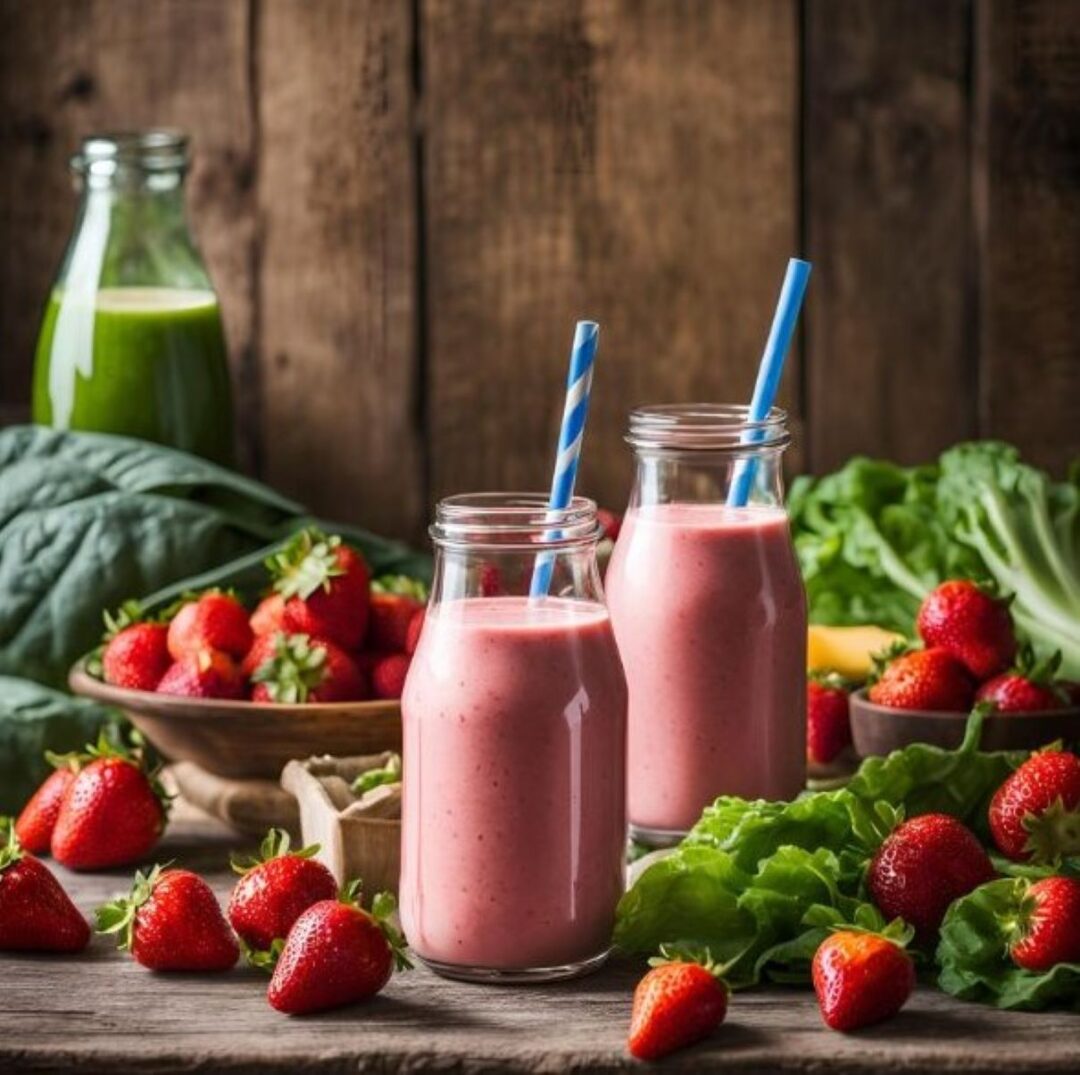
(101, 1012)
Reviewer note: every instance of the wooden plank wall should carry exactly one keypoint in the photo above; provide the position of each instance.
(406, 203)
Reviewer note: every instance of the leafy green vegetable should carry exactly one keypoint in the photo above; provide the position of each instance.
(88, 520)
(761, 882)
(874, 538)
(974, 959)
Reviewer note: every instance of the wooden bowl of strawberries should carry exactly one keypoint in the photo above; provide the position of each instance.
(317, 667)
(970, 655)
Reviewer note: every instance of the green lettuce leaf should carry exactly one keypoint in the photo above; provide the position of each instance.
(761, 882)
(974, 960)
(873, 538)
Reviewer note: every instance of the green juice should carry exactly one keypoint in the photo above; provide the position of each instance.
(145, 362)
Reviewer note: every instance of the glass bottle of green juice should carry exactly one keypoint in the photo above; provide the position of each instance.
(131, 341)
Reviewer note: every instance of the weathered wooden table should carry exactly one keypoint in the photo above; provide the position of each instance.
(100, 1012)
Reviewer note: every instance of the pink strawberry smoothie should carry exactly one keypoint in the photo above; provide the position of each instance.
(710, 616)
(514, 815)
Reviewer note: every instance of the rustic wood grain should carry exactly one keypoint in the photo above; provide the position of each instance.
(71, 67)
(890, 360)
(100, 1012)
(337, 299)
(632, 162)
(1028, 115)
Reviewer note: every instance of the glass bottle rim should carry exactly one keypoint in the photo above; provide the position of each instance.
(108, 152)
(513, 521)
(714, 427)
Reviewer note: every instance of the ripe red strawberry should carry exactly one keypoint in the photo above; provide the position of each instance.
(269, 615)
(861, 978)
(610, 522)
(389, 619)
(974, 627)
(388, 674)
(490, 581)
(35, 824)
(262, 649)
(1035, 814)
(214, 621)
(302, 669)
(171, 921)
(924, 679)
(416, 626)
(1048, 925)
(36, 914)
(208, 674)
(113, 814)
(1014, 693)
(336, 954)
(136, 657)
(275, 889)
(923, 865)
(828, 720)
(679, 1002)
(325, 587)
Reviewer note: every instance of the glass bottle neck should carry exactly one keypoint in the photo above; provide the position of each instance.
(667, 477)
(494, 545)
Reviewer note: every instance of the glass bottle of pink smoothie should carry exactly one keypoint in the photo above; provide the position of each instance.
(514, 712)
(710, 616)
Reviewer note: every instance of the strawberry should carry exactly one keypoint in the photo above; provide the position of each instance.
(325, 587)
(1014, 693)
(861, 978)
(389, 619)
(924, 679)
(269, 615)
(967, 622)
(924, 864)
(1035, 814)
(262, 649)
(213, 621)
(136, 656)
(1047, 930)
(114, 812)
(490, 581)
(207, 674)
(275, 889)
(35, 824)
(610, 523)
(36, 914)
(416, 627)
(828, 721)
(679, 1002)
(302, 669)
(1028, 687)
(335, 954)
(388, 674)
(171, 921)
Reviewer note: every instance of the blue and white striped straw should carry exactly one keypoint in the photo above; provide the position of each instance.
(571, 433)
(772, 366)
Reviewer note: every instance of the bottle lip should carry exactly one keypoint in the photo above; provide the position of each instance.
(706, 427)
(510, 521)
(106, 153)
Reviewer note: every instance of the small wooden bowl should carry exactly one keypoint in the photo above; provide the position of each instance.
(248, 739)
(879, 729)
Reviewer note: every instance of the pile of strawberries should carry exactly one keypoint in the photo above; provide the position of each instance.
(321, 947)
(970, 654)
(325, 633)
(923, 865)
